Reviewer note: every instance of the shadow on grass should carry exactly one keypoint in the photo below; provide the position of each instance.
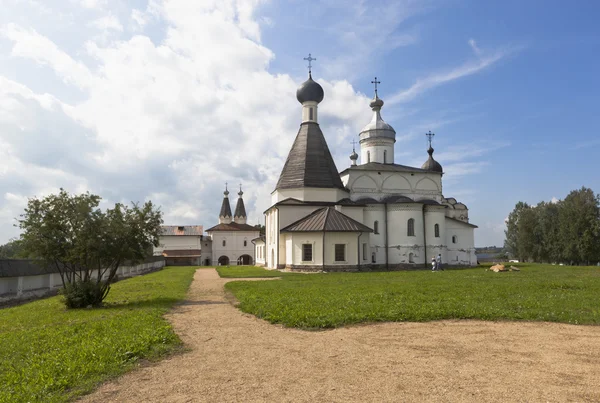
(159, 302)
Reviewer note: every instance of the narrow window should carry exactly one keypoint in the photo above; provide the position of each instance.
(373, 257)
(224, 242)
(454, 239)
(436, 230)
(376, 227)
(411, 257)
(307, 252)
(411, 227)
(310, 114)
(384, 156)
(340, 252)
(364, 251)
(245, 243)
(368, 156)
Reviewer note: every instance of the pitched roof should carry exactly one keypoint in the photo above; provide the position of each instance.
(309, 162)
(240, 209)
(181, 230)
(225, 208)
(462, 222)
(232, 227)
(326, 219)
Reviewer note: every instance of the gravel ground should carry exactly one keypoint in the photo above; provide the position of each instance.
(235, 357)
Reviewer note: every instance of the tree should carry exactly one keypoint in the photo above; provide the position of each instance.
(511, 242)
(261, 228)
(579, 224)
(11, 250)
(85, 244)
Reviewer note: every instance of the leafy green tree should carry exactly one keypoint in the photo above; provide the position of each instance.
(11, 250)
(579, 226)
(85, 244)
(511, 242)
(548, 242)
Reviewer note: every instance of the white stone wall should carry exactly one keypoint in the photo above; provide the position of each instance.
(379, 184)
(260, 252)
(463, 251)
(372, 150)
(24, 287)
(309, 194)
(296, 240)
(234, 245)
(170, 242)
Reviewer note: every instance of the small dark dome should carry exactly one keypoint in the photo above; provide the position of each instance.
(310, 91)
(431, 164)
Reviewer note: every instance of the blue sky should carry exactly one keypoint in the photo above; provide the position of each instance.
(167, 100)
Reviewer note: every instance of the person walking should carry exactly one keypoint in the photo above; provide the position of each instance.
(438, 262)
(433, 264)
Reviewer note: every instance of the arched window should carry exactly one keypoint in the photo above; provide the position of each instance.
(368, 156)
(411, 257)
(310, 113)
(436, 230)
(373, 259)
(454, 238)
(384, 156)
(245, 243)
(411, 227)
(224, 242)
(376, 227)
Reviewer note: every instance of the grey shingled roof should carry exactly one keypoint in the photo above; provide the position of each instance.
(225, 208)
(309, 163)
(462, 222)
(232, 227)
(327, 219)
(181, 230)
(240, 209)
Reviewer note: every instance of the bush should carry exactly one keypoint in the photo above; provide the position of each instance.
(82, 294)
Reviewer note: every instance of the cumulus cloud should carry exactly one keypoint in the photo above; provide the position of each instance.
(167, 120)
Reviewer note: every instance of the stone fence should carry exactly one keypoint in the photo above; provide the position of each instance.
(23, 279)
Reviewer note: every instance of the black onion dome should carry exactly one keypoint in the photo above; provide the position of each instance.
(431, 164)
(310, 91)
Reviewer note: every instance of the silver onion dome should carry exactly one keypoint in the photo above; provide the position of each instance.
(377, 126)
(431, 164)
(310, 90)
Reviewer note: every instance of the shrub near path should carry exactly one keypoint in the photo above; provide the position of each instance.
(537, 293)
(51, 354)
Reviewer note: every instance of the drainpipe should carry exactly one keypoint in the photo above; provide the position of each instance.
(387, 265)
(424, 237)
(277, 240)
(358, 250)
(323, 250)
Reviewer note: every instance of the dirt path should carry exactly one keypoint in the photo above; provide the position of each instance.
(235, 357)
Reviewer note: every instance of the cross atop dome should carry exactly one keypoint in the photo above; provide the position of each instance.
(430, 137)
(375, 82)
(310, 59)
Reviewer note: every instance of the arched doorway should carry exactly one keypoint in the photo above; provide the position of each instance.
(244, 260)
(223, 261)
(206, 262)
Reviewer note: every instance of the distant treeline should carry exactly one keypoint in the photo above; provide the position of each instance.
(566, 231)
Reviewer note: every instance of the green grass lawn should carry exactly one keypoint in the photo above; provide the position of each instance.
(248, 272)
(536, 293)
(50, 354)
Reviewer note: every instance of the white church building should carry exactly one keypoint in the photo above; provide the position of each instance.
(232, 236)
(376, 214)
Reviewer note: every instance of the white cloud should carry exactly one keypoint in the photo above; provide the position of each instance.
(108, 22)
(554, 200)
(466, 69)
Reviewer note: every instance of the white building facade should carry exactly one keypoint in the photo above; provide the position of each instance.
(232, 237)
(374, 215)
